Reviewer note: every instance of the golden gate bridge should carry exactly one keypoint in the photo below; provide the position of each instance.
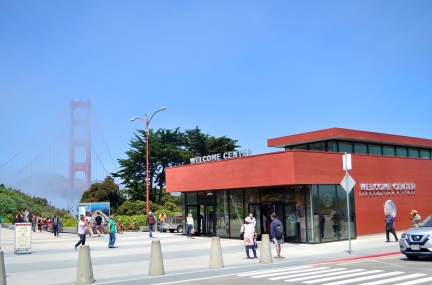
(63, 160)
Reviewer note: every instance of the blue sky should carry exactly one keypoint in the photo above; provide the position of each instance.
(251, 70)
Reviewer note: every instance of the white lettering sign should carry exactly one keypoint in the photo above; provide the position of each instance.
(219, 156)
(387, 189)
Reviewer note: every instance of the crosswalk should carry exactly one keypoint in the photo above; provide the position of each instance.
(321, 275)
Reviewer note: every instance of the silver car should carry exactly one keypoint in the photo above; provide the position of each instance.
(417, 242)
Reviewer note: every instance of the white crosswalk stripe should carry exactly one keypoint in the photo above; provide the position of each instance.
(338, 276)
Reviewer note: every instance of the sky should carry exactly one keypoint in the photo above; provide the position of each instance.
(250, 70)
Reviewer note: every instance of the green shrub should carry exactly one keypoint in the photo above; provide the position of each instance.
(69, 223)
(139, 219)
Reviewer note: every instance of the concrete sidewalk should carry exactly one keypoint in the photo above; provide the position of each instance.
(54, 260)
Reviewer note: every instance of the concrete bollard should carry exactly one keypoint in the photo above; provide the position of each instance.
(2, 270)
(216, 260)
(156, 266)
(85, 268)
(265, 254)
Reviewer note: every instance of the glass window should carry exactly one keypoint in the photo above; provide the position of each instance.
(360, 148)
(222, 213)
(343, 211)
(236, 214)
(332, 146)
(413, 152)
(424, 153)
(205, 197)
(191, 198)
(287, 148)
(272, 194)
(328, 208)
(401, 151)
(251, 195)
(375, 149)
(184, 214)
(346, 147)
(320, 146)
(300, 146)
(388, 150)
(293, 194)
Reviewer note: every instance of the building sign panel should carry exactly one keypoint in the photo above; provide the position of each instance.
(387, 189)
(220, 156)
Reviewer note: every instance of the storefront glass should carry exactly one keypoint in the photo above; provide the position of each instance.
(343, 210)
(236, 212)
(222, 225)
(294, 195)
(272, 194)
(330, 221)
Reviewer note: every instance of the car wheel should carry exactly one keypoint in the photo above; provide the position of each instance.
(412, 257)
(179, 229)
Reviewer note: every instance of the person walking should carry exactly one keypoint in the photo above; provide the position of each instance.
(82, 228)
(253, 222)
(150, 222)
(90, 223)
(162, 217)
(189, 225)
(321, 224)
(55, 224)
(98, 221)
(390, 222)
(415, 217)
(248, 231)
(276, 234)
(112, 228)
(33, 222)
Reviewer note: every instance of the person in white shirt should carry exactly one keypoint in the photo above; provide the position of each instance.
(189, 225)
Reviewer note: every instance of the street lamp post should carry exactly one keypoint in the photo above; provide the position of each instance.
(147, 122)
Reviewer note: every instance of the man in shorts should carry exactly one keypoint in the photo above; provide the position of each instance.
(275, 234)
(98, 220)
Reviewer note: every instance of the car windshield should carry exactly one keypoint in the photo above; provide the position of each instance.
(427, 222)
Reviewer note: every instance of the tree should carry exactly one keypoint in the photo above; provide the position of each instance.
(107, 191)
(167, 148)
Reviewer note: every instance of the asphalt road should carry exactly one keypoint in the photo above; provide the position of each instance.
(395, 269)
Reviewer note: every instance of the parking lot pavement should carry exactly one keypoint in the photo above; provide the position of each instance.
(54, 260)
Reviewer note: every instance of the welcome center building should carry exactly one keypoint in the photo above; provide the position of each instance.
(301, 184)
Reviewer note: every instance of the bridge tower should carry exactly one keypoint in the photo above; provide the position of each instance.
(79, 143)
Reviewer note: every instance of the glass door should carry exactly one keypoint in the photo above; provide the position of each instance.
(194, 212)
(206, 220)
(255, 209)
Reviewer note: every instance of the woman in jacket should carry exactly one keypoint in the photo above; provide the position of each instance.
(248, 231)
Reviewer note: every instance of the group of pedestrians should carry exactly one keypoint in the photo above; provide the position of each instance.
(39, 224)
(249, 235)
(85, 224)
(390, 224)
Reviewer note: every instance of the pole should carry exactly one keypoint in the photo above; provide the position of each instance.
(348, 207)
(147, 166)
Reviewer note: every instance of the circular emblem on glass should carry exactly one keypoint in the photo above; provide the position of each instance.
(391, 207)
(328, 201)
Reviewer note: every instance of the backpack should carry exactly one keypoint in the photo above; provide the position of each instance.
(279, 231)
(151, 220)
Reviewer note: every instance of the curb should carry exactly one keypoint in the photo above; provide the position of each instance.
(359, 257)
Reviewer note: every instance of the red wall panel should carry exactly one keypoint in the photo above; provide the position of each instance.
(310, 167)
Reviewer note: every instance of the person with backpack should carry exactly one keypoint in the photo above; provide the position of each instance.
(276, 234)
(150, 222)
(55, 222)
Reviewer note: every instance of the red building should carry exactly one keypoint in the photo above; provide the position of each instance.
(303, 181)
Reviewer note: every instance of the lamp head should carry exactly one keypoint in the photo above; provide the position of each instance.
(132, 119)
(163, 109)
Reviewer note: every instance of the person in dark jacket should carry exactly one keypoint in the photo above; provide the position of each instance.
(389, 222)
(273, 236)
